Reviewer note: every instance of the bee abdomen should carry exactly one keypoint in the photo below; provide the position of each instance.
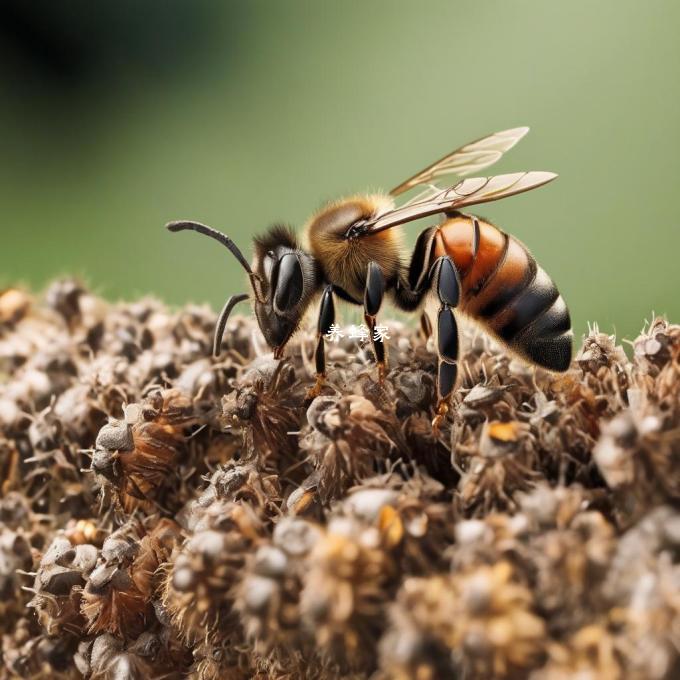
(503, 287)
(536, 324)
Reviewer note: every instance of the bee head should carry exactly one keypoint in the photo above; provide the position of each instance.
(283, 279)
(288, 278)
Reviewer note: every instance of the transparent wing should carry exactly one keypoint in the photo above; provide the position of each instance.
(467, 192)
(472, 157)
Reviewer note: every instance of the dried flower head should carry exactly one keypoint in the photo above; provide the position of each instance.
(199, 586)
(349, 580)
(503, 463)
(268, 598)
(479, 623)
(265, 406)
(348, 439)
(589, 653)
(14, 304)
(118, 595)
(535, 535)
(136, 457)
(61, 575)
(107, 657)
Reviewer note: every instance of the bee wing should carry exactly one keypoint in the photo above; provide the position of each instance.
(467, 192)
(472, 157)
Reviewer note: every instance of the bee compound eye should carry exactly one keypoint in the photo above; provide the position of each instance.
(289, 283)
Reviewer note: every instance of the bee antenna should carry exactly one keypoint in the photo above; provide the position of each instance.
(187, 225)
(184, 225)
(222, 320)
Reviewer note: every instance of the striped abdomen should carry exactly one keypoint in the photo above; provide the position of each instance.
(504, 288)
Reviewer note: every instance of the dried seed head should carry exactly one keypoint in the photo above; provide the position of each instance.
(503, 465)
(79, 414)
(61, 575)
(413, 517)
(346, 587)
(235, 483)
(15, 554)
(268, 596)
(642, 588)
(14, 510)
(638, 454)
(265, 406)
(538, 527)
(118, 595)
(64, 298)
(198, 379)
(344, 440)
(198, 589)
(415, 391)
(599, 351)
(591, 652)
(136, 457)
(108, 657)
(28, 654)
(479, 623)
(657, 533)
(218, 661)
(547, 507)
(482, 396)
(576, 558)
(658, 346)
(14, 304)
(83, 531)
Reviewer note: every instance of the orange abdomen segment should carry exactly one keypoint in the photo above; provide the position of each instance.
(503, 287)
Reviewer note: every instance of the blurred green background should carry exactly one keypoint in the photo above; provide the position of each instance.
(117, 117)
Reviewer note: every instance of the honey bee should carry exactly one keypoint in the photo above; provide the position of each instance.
(353, 252)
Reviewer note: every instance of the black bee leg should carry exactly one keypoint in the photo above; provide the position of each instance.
(326, 319)
(222, 321)
(446, 282)
(373, 297)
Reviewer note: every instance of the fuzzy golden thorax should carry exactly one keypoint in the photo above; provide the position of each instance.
(345, 261)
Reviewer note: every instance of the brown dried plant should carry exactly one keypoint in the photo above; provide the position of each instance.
(164, 514)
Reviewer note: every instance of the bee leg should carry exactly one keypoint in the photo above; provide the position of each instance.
(222, 321)
(326, 318)
(373, 297)
(445, 280)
